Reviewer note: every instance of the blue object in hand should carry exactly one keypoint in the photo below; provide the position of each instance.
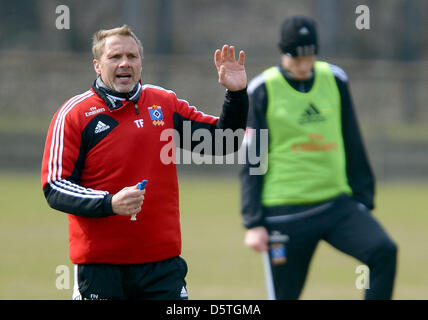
(142, 184)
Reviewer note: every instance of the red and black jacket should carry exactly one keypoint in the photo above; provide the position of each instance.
(92, 151)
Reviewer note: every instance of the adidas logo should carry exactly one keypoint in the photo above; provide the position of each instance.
(311, 114)
(311, 110)
(101, 126)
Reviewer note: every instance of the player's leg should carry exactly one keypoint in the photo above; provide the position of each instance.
(163, 280)
(360, 235)
(289, 278)
(302, 224)
(97, 282)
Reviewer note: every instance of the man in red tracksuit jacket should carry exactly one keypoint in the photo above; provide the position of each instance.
(101, 144)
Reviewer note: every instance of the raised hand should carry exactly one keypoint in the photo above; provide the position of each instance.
(231, 73)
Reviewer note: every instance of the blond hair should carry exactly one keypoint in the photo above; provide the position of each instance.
(100, 36)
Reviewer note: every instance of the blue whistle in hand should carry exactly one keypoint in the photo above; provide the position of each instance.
(140, 186)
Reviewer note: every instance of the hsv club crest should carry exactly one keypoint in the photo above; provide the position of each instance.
(156, 115)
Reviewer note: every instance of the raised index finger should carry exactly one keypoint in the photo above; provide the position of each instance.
(217, 57)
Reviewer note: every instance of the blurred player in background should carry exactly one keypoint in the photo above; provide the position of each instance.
(318, 184)
(100, 144)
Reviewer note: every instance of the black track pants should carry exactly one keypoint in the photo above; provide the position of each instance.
(163, 280)
(346, 225)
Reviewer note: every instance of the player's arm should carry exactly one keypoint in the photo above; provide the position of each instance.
(62, 191)
(358, 169)
(256, 236)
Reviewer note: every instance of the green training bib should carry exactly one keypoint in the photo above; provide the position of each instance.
(306, 158)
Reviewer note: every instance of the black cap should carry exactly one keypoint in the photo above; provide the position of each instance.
(299, 37)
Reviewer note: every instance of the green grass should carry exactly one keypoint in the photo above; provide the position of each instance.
(34, 241)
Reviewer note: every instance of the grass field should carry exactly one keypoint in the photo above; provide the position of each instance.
(34, 241)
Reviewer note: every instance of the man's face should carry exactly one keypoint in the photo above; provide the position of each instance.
(300, 67)
(120, 64)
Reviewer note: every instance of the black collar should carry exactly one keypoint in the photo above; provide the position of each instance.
(114, 99)
(299, 85)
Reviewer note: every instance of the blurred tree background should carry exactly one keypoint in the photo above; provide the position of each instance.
(42, 66)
